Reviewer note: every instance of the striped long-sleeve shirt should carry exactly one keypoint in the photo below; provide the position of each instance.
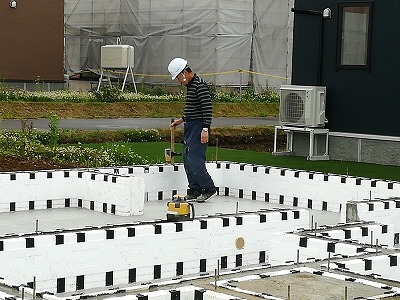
(198, 101)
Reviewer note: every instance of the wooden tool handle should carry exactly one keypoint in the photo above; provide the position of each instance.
(172, 140)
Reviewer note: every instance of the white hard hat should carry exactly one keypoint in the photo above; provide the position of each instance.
(176, 66)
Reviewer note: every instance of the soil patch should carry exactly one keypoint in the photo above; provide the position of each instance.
(11, 164)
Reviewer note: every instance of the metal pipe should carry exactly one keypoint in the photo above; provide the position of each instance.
(312, 222)
(215, 279)
(240, 83)
(34, 288)
(253, 32)
(320, 46)
(329, 261)
(315, 229)
(216, 149)
(307, 11)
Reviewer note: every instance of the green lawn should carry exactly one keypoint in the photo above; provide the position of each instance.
(154, 153)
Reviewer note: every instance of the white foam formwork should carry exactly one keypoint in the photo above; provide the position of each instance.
(382, 266)
(292, 247)
(287, 184)
(386, 211)
(328, 192)
(117, 194)
(312, 190)
(143, 252)
(364, 233)
(154, 251)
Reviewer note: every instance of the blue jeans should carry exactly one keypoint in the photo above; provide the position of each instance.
(194, 158)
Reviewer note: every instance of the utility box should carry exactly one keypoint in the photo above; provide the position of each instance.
(117, 56)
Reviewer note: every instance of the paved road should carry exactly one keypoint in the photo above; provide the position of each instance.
(131, 123)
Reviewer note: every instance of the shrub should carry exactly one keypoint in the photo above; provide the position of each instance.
(151, 90)
(141, 135)
(246, 96)
(32, 144)
(108, 94)
(54, 129)
(265, 96)
(68, 136)
(90, 157)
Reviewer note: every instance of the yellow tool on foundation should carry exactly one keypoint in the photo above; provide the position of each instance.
(179, 209)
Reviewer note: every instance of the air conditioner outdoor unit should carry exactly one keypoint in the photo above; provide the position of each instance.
(302, 106)
(117, 56)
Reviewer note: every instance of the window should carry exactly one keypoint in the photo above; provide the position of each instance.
(354, 38)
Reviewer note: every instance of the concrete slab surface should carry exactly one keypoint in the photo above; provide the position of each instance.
(243, 283)
(20, 222)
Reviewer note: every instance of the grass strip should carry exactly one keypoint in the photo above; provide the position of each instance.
(154, 153)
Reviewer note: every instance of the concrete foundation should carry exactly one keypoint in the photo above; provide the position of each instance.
(382, 150)
(71, 259)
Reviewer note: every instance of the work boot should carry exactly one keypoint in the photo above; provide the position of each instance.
(192, 195)
(206, 195)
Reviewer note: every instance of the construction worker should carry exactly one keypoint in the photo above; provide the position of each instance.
(197, 121)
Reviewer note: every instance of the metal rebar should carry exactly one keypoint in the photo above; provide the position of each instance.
(215, 279)
(329, 260)
(218, 268)
(315, 229)
(34, 288)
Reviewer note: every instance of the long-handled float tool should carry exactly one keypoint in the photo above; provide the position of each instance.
(170, 152)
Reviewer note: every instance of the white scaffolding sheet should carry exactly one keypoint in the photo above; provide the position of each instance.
(217, 37)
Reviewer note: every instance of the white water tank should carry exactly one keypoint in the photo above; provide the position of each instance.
(117, 56)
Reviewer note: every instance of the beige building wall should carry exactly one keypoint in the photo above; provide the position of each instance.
(32, 43)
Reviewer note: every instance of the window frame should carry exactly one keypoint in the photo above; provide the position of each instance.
(339, 64)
